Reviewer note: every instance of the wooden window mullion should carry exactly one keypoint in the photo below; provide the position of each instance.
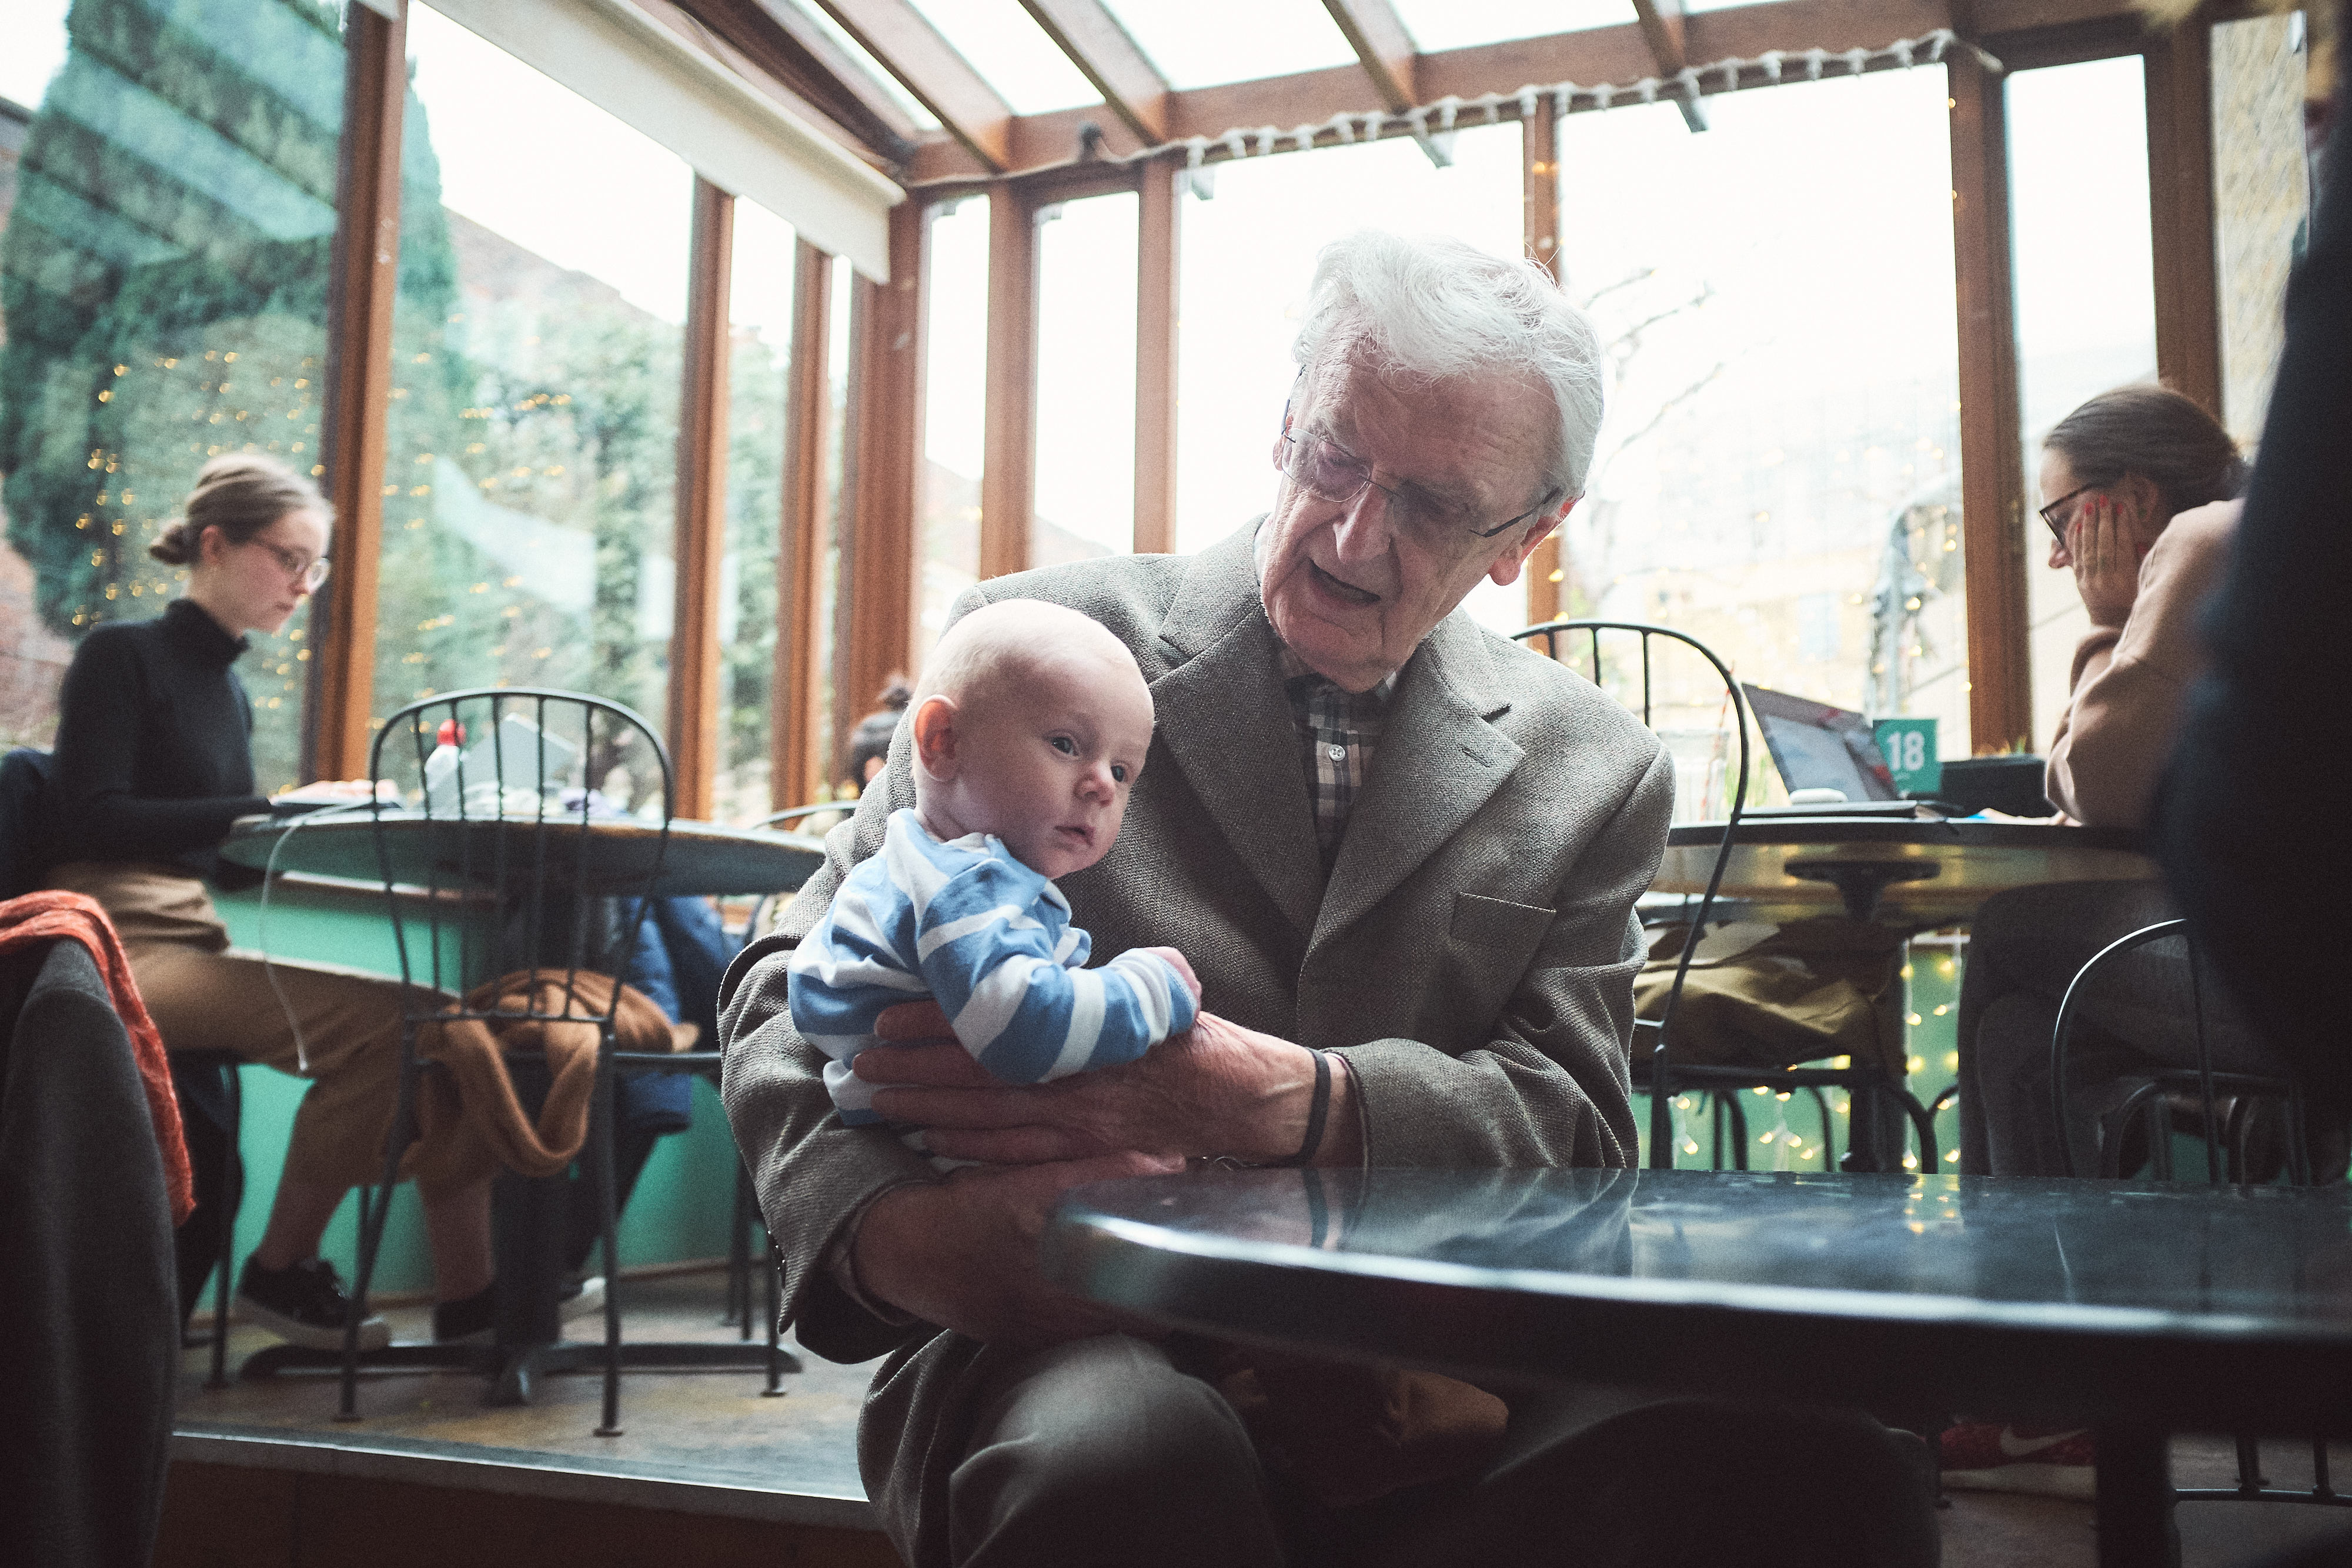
(363, 278)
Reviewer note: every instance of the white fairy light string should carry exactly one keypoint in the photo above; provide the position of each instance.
(1429, 123)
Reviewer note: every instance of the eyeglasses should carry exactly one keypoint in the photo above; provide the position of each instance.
(1325, 469)
(310, 573)
(2050, 513)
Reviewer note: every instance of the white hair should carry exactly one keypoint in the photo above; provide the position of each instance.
(1438, 308)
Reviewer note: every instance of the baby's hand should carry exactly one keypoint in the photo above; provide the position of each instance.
(1176, 961)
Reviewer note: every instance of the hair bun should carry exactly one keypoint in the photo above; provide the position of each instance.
(174, 546)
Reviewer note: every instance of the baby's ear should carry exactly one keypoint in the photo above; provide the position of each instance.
(935, 737)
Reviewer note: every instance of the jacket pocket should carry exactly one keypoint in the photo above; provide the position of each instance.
(1499, 923)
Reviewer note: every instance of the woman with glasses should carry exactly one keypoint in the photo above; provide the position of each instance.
(154, 760)
(2138, 484)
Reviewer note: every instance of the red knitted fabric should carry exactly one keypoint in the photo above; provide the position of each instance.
(57, 916)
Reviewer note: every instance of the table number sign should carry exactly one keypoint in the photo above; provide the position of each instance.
(1909, 747)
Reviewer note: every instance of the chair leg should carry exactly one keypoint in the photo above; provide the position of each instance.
(2250, 1465)
(232, 1199)
(1829, 1139)
(2157, 1115)
(739, 1255)
(600, 1130)
(1738, 1134)
(397, 1139)
(775, 1388)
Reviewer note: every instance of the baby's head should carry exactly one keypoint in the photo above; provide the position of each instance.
(1031, 723)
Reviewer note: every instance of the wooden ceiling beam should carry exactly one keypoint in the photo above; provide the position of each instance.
(776, 41)
(1131, 86)
(1661, 28)
(1383, 48)
(928, 65)
(1617, 54)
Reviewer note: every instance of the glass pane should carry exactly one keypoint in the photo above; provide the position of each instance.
(1085, 382)
(1779, 471)
(528, 511)
(760, 305)
(955, 400)
(2261, 197)
(1010, 51)
(1460, 23)
(1203, 42)
(162, 276)
(2085, 276)
(1248, 256)
(835, 709)
(909, 104)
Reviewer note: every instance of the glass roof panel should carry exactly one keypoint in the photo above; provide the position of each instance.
(1438, 25)
(1004, 44)
(1202, 43)
(906, 101)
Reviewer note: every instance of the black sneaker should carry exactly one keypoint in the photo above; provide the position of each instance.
(469, 1319)
(304, 1305)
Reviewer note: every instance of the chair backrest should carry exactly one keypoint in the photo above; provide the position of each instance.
(1589, 634)
(534, 824)
(2209, 1085)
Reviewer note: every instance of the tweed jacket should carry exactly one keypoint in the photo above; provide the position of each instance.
(1472, 955)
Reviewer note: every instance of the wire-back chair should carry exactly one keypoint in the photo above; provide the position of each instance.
(2227, 1135)
(1661, 1076)
(500, 856)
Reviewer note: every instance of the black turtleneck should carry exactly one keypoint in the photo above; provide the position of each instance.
(154, 754)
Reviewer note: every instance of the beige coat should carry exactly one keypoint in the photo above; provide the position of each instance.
(1473, 956)
(2130, 685)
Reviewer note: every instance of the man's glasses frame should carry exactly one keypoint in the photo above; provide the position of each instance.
(1300, 452)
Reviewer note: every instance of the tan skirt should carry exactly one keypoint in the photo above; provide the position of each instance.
(338, 1028)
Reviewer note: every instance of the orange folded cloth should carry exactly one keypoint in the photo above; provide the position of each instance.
(469, 1119)
(59, 916)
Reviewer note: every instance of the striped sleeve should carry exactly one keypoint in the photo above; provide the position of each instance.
(995, 948)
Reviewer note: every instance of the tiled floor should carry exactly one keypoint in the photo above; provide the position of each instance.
(717, 1431)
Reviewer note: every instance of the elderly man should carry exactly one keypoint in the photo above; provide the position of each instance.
(1401, 855)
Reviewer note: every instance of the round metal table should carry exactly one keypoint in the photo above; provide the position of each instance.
(1917, 873)
(699, 858)
(2144, 1309)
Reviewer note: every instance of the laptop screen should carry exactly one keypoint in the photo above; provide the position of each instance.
(1817, 747)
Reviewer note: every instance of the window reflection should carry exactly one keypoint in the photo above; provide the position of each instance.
(531, 454)
(2261, 202)
(759, 307)
(1779, 471)
(955, 386)
(1085, 382)
(2084, 273)
(162, 283)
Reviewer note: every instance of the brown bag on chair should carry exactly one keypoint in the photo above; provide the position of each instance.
(469, 1120)
(1773, 997)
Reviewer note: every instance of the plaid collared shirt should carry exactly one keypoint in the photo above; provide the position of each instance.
(1338, 731)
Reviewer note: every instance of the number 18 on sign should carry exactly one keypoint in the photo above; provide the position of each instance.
(1909, 746)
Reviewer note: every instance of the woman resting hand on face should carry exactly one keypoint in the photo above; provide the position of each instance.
(2137, 485)
(2138, 482)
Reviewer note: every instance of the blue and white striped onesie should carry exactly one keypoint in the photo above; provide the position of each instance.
(966, 924)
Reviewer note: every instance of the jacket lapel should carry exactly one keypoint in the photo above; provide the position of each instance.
(1225, 719)
(1438, 761)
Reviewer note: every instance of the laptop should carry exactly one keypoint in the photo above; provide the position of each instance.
(1817, 747)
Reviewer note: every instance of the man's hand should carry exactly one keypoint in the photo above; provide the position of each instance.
(1216, 1089)
(963, 1253)
(2104, 545)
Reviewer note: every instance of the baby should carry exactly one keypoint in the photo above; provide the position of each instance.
(1029, 730)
